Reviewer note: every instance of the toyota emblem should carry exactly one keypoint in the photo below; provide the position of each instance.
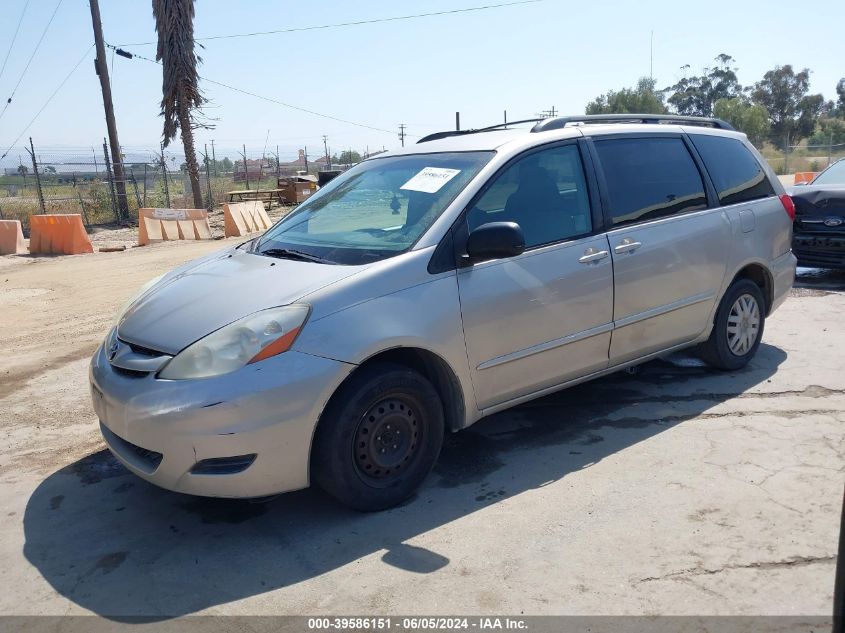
(113, 350)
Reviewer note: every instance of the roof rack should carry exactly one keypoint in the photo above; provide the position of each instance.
(438, 135)
(561, 122)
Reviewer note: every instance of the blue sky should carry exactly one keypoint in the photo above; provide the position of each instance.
(522, 59)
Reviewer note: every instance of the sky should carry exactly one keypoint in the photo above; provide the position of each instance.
(523, 58)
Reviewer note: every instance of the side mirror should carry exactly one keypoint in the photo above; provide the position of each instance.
(495, 240)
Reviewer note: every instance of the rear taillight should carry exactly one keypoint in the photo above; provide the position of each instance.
(788, 206)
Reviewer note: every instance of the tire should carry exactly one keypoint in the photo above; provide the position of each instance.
(737, 328)
(378, 438)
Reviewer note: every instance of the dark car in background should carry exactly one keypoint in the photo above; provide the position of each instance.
(818, 237)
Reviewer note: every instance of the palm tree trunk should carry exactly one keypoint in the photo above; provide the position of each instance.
(190, 154)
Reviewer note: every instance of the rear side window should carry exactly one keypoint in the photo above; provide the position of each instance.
(649, 178)
(736, 174)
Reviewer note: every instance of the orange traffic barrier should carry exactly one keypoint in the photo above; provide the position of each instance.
(161, 225)
(803, 177)
(244, 217)
(58, 235)
(11, 237)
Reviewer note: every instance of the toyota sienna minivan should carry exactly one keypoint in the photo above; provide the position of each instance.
(429, 287)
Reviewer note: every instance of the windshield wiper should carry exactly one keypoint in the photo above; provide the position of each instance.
(287, 253)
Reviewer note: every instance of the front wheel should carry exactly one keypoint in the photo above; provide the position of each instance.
(737, 328)
(379, 437)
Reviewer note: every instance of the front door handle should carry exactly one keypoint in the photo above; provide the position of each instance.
(591, 255)
(627, 246)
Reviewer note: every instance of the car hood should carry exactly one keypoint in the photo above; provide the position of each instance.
(199, 298)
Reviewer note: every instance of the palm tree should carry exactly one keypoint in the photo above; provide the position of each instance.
(181, 95)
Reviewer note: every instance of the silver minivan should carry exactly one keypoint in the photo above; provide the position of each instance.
(429, 287)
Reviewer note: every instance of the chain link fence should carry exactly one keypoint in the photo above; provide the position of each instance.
(82, 180)
(797, 158)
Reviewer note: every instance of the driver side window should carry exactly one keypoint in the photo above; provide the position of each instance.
(544, 192)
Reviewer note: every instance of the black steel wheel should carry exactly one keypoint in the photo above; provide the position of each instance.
(387, 440)
(378, 438)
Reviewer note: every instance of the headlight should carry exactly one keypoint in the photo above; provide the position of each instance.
(135, 297)
(253, 338)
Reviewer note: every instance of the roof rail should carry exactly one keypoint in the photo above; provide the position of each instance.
(438, 135)
(561, 122)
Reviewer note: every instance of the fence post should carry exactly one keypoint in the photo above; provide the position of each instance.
(145, 185)
(830, 150)
(37, 177)
(135, 187)
(210, 204)
(111, 181)
(786, 155)
(84, 212)
(164, 175)
(246, 169)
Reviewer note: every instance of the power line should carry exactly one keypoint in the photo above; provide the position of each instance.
(355, 23)
(55, 92)
(31, 57)
(14, 37)
(265, 98)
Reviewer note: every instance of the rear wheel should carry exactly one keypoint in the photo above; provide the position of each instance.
(379, 437)
(737, 328)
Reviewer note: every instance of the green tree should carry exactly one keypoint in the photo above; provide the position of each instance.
(226, 164)
(347, 157)
(696, 96)
(181, 97)
(747, 117)
(792, 112)
(829, 130)
(23, 170)
(643, 99)
(840, 93)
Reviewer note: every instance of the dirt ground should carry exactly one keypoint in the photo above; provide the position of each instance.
(675, 490)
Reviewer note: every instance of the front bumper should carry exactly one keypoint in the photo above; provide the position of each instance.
(819, 251)
(161, 429)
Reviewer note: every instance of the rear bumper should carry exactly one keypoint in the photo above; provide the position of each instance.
(783, 276)
(245, 434)
(819, 251)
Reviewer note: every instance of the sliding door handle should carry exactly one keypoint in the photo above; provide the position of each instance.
(627, 246)
(591, 255)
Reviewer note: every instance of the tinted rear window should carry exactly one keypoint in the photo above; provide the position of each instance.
(736, 174)
(649, 178)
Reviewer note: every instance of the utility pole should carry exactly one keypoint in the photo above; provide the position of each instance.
(457, 121)
(213, 158)
(402, 133)
(326, 147)
(103, 73)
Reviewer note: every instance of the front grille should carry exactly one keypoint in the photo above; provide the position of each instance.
(134, 365)
(819, 258)
(130, 373)
(143, 458)
(138, 349)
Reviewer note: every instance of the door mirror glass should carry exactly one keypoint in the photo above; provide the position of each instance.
(495, 240)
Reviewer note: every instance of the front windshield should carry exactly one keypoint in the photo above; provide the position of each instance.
(377, 209)
(833, 175)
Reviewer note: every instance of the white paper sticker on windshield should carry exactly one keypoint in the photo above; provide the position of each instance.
(430, 179)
